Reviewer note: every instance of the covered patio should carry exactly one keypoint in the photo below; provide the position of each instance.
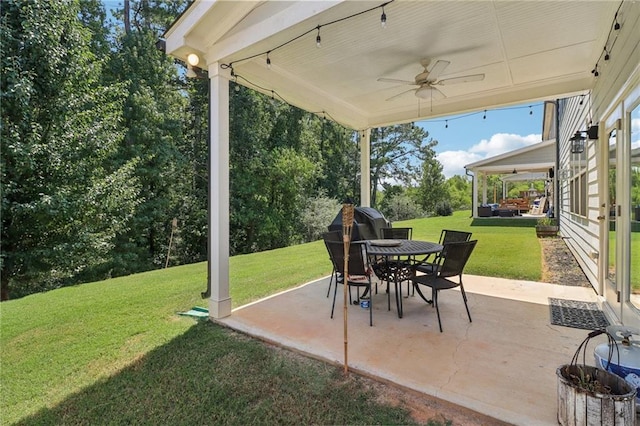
(534, 162)
(370, 64)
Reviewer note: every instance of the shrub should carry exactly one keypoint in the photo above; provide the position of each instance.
(443, 208)
(546, 221)
(401, 207)
(316, 217)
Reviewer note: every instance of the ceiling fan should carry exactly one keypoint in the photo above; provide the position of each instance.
(428, 79)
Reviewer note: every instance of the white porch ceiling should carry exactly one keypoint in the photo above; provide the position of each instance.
(528, 50)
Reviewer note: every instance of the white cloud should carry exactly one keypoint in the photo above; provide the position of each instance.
(503, 142)
(453, 162)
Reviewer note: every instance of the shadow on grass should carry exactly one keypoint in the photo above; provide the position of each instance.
(520, 222)
(213, 375)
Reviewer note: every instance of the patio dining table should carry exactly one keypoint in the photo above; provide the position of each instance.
(395, 258)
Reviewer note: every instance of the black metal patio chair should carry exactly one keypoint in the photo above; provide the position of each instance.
(446, 236)
(450, 264)
(359, 274)
(332, 236)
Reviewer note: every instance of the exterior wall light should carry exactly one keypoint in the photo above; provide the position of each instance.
(193, 59)
(577, 143)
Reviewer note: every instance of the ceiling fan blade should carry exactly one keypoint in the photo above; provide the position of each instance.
(463, 79)
(394, 80)
(400, 94)
(437, 69)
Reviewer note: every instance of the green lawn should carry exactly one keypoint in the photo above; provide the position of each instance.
(117, 352)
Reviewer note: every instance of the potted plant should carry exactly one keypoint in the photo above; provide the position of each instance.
(590, 395)
(546, 227)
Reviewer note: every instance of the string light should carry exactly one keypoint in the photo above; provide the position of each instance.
(268, 60)
(484, 112)
(383, 20)
(606, 53)
(484, 117)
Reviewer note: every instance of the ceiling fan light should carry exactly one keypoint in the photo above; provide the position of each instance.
(424, 92)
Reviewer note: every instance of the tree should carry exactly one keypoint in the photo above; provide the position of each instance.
(154, 122)
(459, 188)
(396, 155)
(271, 176)
(339, 158)
(432, 187)
(63, 196)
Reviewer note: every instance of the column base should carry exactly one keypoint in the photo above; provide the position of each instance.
(219, 308)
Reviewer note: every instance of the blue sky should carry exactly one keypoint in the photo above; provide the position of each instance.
(470, 137)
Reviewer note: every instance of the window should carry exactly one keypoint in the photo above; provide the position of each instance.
(578, 184)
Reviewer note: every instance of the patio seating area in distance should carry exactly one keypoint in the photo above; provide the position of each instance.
(503, 364)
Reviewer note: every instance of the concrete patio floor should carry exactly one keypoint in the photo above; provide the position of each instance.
(503, 364)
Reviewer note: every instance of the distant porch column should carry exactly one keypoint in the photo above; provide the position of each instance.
(365, 168)
(218, 233)
(474, 195)
(484, 188)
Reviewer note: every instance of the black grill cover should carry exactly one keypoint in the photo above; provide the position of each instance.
(367, 223)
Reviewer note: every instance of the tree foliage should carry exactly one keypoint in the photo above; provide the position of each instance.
(432, 188)
(63, 196)
(459, 189)
(396, 155)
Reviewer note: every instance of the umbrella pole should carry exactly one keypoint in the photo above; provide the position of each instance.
(347, 224)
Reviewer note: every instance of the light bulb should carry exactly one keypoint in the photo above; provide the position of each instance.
(383, 19)
(193, 59)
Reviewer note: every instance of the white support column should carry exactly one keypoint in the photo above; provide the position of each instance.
(474, 200)
(365, 168)
(218, 265)
(484, 188)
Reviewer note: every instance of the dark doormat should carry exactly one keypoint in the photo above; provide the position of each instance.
(577, 314)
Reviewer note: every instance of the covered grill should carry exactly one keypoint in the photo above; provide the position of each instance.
(367, 223)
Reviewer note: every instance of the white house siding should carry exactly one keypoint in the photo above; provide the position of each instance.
(580, 232)
(604, 103)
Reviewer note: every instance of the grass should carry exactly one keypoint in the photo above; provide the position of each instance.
(116, 352)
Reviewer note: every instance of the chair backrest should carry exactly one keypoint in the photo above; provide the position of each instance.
(358, 264)
(454, 257)
(335, 236)
(539, 209)
(396, 233)
(450, 236)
